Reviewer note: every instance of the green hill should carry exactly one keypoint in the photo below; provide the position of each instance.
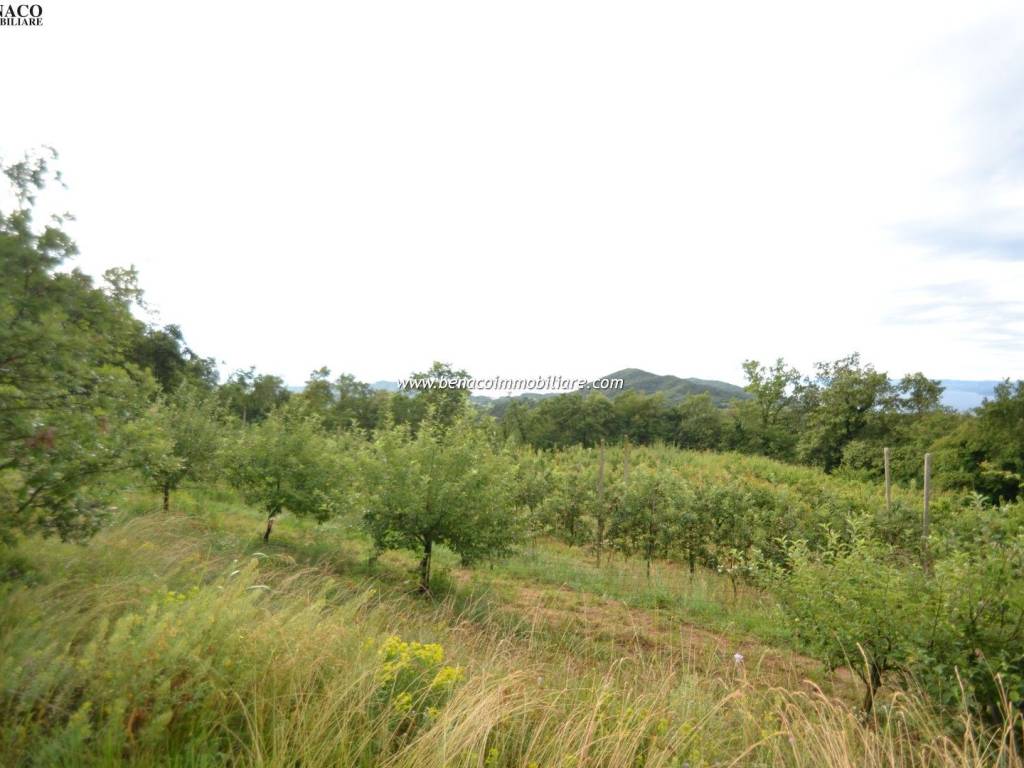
(675, 388)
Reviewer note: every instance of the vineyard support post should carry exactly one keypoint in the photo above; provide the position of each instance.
(886, 456)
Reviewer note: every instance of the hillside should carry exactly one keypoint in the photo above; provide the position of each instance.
(958, 394)
(183, 634)
(675, 388)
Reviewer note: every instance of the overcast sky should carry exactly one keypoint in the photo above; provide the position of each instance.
(545, 187)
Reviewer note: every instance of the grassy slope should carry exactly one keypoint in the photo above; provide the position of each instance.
(185, 640)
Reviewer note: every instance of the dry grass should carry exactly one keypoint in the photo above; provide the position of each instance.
(176, 640)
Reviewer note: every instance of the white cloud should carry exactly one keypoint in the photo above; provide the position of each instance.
(535, 188)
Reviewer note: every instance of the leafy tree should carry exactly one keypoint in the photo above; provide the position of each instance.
(66, 387)
(648, 519)
(572, 497)
(700, 425)
(251, 396)
(768, 417)
(609, 491)
(772, 389)
(189, 434)
(446, 404)
(838, 403)
(163, 351)
(532, 483)
(641, 418)
(916, 394)
(445, 484)
(319, 396)
(287, 463)
(986, 452)
(977, 626)
(355, 403)
(852, 604)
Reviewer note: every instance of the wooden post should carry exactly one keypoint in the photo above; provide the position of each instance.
(888, 479)
(927, 498)
(600, 504)
(625, 461)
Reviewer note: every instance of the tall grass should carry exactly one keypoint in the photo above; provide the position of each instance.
(175, 640)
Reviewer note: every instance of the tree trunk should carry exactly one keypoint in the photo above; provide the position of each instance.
(167, 497)
(428, 547)
(270, 527)
(873, 683)
(693, 563)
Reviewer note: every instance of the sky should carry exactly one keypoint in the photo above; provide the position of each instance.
(545, 188)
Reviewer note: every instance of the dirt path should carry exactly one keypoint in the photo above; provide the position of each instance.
(659, 635)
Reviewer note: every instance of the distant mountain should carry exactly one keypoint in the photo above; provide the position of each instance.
(675, 389)
(960, 394)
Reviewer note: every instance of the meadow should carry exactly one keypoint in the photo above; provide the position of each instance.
(181, 638)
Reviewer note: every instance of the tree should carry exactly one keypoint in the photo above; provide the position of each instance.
(189, 431)
(532, 483)
(854, 605)
(986, 452)
(700, 423)
(163, 351)
(767, 418)
(838, 403)
(641, 417)
(251, 396)
(67, 389)
(445, 484)
(355, 404)
(445, 403)
(319, 397)
(648, 518)
(572, 497)
(977, 626)
(287, 463)
(713, 513)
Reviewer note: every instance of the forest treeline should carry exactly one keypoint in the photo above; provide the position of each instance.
(838, 419)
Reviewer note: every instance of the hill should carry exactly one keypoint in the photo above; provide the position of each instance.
(675, 388)
(184, 633)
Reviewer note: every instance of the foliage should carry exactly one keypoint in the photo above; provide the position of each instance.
(414, 684)
(701, 424)
(853, 605)
(986, 453)
(66, 386)
(447, 484)
(654, 515)
(251, 396)
(571, 499)
(977, 628)
(154, 647)
(188, 433)
(287, 463)
(163, 352)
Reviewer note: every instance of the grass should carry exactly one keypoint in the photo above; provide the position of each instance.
(703, 598)
(184, 640)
